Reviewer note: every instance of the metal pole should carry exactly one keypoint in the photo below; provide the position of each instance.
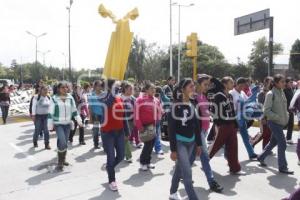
(179, 45)
(270, 67)
(36, 50)
(70, 66)
(171, 47)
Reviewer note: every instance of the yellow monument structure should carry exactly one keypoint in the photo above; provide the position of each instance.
(120, 44)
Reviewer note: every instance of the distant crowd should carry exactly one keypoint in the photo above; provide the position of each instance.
(198, 117)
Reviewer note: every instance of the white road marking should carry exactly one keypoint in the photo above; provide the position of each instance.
(18, 149)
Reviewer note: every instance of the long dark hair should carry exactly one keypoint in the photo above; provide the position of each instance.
(178, 90)
(276, 79)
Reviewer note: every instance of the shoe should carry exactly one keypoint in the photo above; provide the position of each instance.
(151, 166)
(174, 196)
(290, 142)
(253, 157)
(82, 143)
(47, 147)
(113, 186)
(144, 168)
(286, 171)
(299, 162)
(216, 187)
(96, 147)
(129, 160)
(261, 162)
(160, 152)
(35, 145)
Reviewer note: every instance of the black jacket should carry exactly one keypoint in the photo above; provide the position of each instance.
(289, 93)
(182, 120)
(224, 112)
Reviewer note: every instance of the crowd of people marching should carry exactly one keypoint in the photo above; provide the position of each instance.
(200, 117)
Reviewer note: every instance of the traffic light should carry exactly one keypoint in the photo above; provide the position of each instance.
(191, 45)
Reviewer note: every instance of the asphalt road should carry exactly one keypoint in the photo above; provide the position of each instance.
(27, 173)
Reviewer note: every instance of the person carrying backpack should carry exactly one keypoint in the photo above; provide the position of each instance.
(39, 115)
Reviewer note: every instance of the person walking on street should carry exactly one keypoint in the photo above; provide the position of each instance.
(40, 110)
(226, 126)
(114, 127)
(275, 109)
(289, 93)
(185, 138)
(62, 110)
(4, 102)
(203, 82)
(147, 112)
(96, 110)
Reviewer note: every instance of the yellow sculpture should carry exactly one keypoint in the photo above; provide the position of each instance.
(120, 44)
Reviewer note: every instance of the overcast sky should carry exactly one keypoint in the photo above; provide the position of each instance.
(211, 19)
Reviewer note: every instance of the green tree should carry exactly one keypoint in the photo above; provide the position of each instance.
(295, 55)
(258, 58)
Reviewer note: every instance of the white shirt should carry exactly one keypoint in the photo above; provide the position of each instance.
(236, 96)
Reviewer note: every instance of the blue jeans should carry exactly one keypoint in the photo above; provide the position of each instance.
(96, 130)
(277, 138)
(204, 158)
(114, 147)
(157, 145)
(183, 169)
(40, 125)
(62, 132)
(245, 136)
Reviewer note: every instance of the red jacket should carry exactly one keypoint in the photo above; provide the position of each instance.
(113, 116)
(147, 110)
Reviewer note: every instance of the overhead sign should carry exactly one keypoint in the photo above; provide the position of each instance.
(252, 22)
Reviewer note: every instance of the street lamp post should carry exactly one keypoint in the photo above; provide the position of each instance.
(36, 43)
(44, 56)
(179, 29)
(171, 43)
(63, 71)
(69, 34)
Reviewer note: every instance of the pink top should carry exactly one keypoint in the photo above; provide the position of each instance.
(203, 105)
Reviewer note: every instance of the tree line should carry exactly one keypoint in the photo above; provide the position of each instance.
(148, 61)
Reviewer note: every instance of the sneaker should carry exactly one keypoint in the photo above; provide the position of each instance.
(160, 152)
(113, 186)
(144, 168)
(151, 166)
(174, 196)
(216, 187)
(290, 142)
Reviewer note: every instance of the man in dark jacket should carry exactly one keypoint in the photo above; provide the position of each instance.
(289, 93)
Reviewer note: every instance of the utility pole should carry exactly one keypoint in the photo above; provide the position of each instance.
(69, 36)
